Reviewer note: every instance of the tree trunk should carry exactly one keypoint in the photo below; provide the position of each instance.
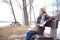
(13, 13)
(25, 13)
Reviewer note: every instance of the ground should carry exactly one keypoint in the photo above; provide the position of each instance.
(9, 32)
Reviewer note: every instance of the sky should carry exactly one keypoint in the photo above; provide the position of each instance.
(6, 13)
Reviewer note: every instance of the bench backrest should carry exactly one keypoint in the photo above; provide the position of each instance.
(52, 23)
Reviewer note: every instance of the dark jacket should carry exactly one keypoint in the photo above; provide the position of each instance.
(40, 16)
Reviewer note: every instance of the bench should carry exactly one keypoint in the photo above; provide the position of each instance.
(54, 25)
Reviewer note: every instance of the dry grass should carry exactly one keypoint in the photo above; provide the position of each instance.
(12, 30)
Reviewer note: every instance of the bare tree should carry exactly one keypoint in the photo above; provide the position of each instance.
(6, 1)
(18, 4)
(26, 22)
(10, 3)
(13, 14)
(25, 13)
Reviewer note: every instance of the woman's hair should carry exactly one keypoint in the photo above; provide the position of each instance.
(44, 11)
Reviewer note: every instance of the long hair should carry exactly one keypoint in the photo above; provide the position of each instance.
(44, 11)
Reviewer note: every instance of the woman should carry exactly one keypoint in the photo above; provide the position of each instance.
(38, 29)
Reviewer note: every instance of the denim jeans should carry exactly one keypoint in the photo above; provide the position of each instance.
(30, 34)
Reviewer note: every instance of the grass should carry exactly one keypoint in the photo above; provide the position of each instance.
(5, 32)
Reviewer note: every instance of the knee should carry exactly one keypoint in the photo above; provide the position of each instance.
(29, 32)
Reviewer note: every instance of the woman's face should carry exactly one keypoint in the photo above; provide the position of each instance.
(41, 11)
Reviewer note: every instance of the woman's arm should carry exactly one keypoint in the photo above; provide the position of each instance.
(50, 18)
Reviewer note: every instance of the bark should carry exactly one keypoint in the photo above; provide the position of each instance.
(25, 13)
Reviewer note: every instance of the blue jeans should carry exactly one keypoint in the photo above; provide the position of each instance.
(30, 34)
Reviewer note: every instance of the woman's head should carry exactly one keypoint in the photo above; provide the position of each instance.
(42, 10)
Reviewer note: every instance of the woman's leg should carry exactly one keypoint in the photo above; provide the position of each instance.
(30, 34)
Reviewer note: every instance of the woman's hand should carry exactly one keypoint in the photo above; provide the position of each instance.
(42, 25)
